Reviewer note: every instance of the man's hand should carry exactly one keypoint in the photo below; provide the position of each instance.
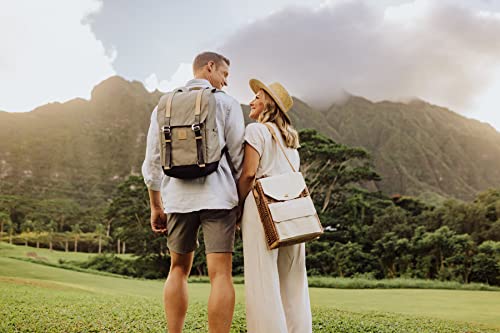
(158, 221)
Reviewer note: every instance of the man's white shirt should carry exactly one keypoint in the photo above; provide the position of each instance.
(218, 189)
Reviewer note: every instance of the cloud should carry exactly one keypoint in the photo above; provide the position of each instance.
(183, 73)
(443, 52)
(49, 53)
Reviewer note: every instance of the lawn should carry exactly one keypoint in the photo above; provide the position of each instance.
(39, 298)
(51, 257)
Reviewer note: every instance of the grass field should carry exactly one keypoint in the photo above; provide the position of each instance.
(38, 298)
(52, 257)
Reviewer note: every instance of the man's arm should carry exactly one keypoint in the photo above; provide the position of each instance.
(234, 132)
(153, 175)
(158, 218)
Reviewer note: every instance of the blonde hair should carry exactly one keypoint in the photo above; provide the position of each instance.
(272, 113)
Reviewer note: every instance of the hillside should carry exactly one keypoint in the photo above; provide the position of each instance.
(82, 149)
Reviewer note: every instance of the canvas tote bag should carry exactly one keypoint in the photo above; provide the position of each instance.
(285, 207)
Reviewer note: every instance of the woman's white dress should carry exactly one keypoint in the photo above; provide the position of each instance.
(276, 290)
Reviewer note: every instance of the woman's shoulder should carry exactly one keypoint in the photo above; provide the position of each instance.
(257, 128)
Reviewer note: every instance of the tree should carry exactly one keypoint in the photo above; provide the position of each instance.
(350, 259)
(391, 251)
(119, 232)
(75, 230)
(486, 264)
(330, 167)
(99, 230)
(129, 211)
(67, 236)
(461, 261)
(10, 228)
(4, 219)
(38, 228)
(26, 228)
(51, 228)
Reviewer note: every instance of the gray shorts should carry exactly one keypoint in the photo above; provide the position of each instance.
(218, 230)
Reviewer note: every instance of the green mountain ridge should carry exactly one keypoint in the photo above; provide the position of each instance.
(83, 148)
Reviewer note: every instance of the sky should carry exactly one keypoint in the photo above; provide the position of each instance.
(446, 52)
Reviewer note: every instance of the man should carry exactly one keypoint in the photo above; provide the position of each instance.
(179, 207)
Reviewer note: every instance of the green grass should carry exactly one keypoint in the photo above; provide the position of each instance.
(52, 258)
(39, 298)
(45, 255)
(364, 283)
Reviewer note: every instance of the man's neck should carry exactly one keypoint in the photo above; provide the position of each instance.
(200, 77)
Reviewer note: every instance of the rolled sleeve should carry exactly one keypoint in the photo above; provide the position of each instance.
(151, 167)
(254, 136)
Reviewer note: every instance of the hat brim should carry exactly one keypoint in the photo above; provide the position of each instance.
(257, 85)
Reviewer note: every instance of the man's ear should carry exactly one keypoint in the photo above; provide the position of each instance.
(210, 65)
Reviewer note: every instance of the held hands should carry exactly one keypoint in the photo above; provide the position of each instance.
(238, 217)
(158, 221)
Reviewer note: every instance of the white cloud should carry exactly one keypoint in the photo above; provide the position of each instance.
(49, 53)
(444, 52)
(183, 73)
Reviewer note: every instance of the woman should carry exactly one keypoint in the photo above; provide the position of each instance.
(277, 296)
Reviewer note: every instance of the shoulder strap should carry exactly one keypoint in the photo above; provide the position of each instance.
(269, 127)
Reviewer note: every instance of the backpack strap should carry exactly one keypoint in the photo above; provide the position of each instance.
(196, 127)
(167, 132)
(271, 129)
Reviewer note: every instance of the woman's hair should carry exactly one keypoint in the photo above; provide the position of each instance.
(272, 113)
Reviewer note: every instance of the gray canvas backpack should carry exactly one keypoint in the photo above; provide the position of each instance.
(189, 138)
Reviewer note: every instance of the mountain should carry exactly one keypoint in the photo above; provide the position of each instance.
(418, 147)
(83, 149)
(80, 149)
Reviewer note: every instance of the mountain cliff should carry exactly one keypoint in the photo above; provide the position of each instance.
(82, 149)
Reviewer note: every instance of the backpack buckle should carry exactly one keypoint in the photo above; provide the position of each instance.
(166, 129)
(196, 127)
(167, 133)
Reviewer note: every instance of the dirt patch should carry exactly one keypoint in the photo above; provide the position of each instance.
(34, 255)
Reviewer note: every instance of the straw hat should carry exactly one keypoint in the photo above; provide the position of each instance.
(277, 92)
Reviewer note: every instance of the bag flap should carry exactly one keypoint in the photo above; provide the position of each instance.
(292, 209)
(283, 187)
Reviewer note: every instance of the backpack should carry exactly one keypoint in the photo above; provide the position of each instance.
(189, 137)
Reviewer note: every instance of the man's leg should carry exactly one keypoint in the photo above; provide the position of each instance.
(221, 300)
(175, 292)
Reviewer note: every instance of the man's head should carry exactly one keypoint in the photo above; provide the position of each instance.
(212, 67)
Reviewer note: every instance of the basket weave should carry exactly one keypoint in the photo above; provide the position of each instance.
(272, 237)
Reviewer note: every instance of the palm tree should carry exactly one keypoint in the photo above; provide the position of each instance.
(118, 233)
(99, 230)
(38, 228)
(75, 229)
(51, 229)
(26, 228)
(66, 241)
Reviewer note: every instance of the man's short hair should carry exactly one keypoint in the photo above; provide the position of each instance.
(204, 58)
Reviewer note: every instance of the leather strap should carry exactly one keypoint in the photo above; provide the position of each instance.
(197, 110)
(271, 129)
(168, 108)
(168, 135)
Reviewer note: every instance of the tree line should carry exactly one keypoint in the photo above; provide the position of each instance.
(367, 233)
